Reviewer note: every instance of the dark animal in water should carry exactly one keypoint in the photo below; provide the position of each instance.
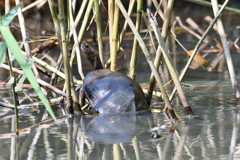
(109, 92)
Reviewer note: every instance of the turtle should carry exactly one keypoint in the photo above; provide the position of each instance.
(109, 92)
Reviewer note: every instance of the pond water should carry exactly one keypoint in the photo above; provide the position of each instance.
(213, 134)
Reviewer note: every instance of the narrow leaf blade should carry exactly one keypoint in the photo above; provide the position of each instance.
(3, 47)
(7, 18)
(16, 51)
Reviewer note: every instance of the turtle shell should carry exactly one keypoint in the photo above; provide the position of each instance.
(111, 92)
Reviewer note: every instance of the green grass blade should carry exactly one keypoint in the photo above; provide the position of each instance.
(7, 18)
(3, 48)
(16, 51)
(20, 82)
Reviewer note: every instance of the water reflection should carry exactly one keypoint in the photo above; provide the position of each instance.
(127, 137)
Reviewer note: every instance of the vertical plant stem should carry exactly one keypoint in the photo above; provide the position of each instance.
(57, 29)
(9, 55)
(15, 100)
(226, 50)
(110, 21)
(99, 32)
(148, 57)
(130, 10)
(85, 20)
(122, 34)
(114, 45)
(73, 91)
(83, 26)
(198, 45)
(158, 57)
(65, 56)
(133, 62)
(80, 14)
(168, 61)
(76, 44)
(27, 47)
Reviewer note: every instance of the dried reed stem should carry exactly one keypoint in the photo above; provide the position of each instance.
(168, 61)
(148, 57)
(198, 45)
(226, 50)
(99, 32)
(65, 56)
(158, 57)
(133, 61)
(114, 43)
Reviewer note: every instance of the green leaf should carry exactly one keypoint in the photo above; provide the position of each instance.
(21, 45)
(16, 51)
(11, 80)
(20, 82)
(3, 48)
(7, 18)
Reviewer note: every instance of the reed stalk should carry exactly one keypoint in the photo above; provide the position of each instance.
(122, 34)
(27, 47)
(73, 91)
(206, 3)
(169, 63)
(148, 57)
(84, 25)
(53, 11)
(110, 21)
(165, 31)
(15, 100)
(99, 32)
(76, 45)
(226, 50)
(9, 55)
(79, 15)
(85, 20)
(133, 61)
(33, 5)
(65, 56)
(114, 43)
(41, 82)
(197, 47)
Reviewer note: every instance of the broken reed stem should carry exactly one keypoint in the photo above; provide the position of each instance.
(205, 3)
(114, 42)
(148, 57)
(99, 32)
(122, 34)
(41, 82)
(133, 61)
(65, 56)
(169, 64)
(198, 45)
(226, 50)
(165, 31)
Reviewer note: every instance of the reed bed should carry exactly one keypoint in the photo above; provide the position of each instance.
(115, 9)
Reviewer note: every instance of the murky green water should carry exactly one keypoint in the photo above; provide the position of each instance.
(214, 135)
